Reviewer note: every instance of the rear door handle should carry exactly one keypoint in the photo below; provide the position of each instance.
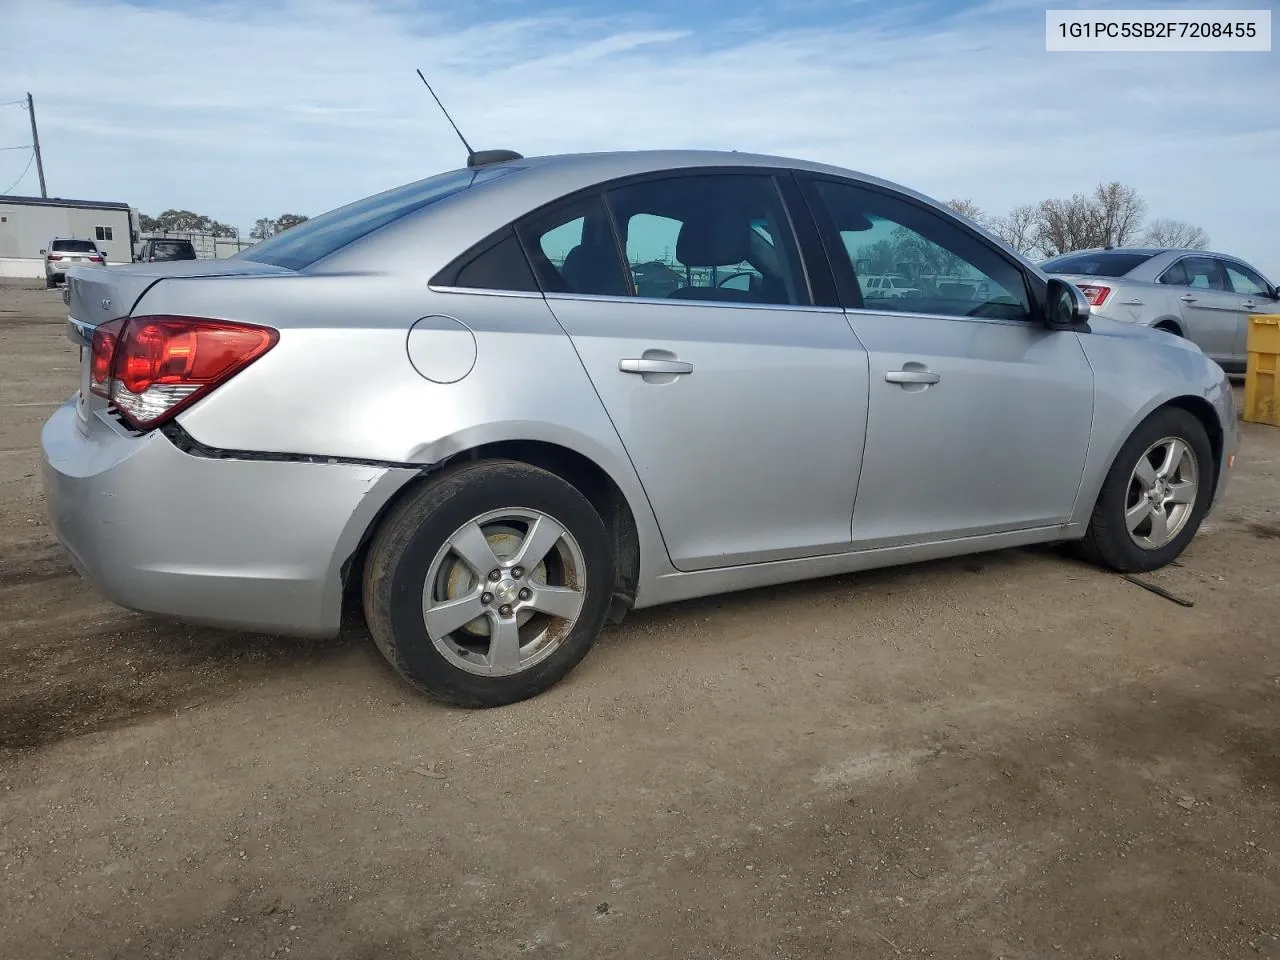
(653, 365)
(1249, 303)
(912, 376)
(1187, 298)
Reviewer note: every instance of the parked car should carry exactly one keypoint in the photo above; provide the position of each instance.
(405, 402)
(165, 249)
(887, 288)
(1205, 297)
(65, 252)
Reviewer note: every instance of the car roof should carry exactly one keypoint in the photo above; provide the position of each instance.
(1145, 251)
(469, 216)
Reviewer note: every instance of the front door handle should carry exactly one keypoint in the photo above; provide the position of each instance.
(654, 365)
(1249, 304)
(1187, 298)
(912, 376)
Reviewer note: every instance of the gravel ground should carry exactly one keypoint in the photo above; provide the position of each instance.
(1011, 755)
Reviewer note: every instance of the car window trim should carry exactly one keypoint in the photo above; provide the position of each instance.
(442, 278)
(1212, 257)
(1266, 284)
(846, 277)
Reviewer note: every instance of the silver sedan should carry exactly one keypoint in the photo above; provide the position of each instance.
(1203, 296)
(503, 404)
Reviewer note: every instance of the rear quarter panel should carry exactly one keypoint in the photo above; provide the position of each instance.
(340, 382)
(1137, 371)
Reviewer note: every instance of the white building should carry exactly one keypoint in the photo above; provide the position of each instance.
(27, 224)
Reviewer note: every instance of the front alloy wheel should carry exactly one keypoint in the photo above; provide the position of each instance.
(1156, 493)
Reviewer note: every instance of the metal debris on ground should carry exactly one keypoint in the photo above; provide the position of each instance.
(1159, 591)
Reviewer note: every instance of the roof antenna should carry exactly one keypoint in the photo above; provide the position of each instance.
(475, 158)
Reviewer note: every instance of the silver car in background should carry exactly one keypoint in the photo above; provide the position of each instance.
(449, 404)
(1205, 297)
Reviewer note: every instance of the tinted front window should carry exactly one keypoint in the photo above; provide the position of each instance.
(1244, 280)
(320, 236)
(73, 246)
(1096, 264)
(926, 262)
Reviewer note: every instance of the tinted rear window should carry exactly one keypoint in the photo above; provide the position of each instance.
(74, 246)
(1096, 264)
(173, 250)
(315, 239)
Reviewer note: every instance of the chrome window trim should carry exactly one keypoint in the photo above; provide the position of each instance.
(485, 291)
(719, 304)
(1029, 321)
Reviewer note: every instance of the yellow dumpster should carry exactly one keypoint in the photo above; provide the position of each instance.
(1262, 376)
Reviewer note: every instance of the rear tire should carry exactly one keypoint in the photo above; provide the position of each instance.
(1126, 532)
(531, 625)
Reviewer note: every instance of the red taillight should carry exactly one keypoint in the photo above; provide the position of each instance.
(1096, 294)
(105, 338)
(159, 365)
(95, 259)
(55, 256)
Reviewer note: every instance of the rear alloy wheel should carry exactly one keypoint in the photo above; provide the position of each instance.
(1155, 496)
(489, 584)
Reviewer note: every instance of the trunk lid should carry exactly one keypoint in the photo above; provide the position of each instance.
(95, 295)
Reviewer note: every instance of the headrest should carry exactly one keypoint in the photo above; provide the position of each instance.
(713, 239)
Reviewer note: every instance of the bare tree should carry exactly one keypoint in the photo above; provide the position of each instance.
(1119, 212)
(1176, 233)
(1064, 225)
(1018, 228)
(967, 208)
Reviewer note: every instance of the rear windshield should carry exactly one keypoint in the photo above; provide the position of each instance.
(315, 239)
(73, 246)
(173, 250)
(1096, 264)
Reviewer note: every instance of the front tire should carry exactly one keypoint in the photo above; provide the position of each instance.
(489, 584)
(1155, 495)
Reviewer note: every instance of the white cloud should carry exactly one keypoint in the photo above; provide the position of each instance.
(241, 109)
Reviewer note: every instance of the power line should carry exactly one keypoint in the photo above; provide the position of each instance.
(10, 103)
(25, 146)
(21, 175)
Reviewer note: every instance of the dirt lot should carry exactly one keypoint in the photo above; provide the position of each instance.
(1011, 755)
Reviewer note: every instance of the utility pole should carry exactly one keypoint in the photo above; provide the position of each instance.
(35, 143)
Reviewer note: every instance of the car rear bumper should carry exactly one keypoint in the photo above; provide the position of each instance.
(252, 544)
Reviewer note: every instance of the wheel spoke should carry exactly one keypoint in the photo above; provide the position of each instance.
(1183, 492)
(543, 534)
(562, 602)
(1137, 513)
(447, 616)
(1159, 527)
(470, 544)
(1172, 459)
(1145, 473)
(504, 644)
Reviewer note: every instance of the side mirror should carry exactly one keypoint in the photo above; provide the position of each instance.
(43, 252)
(1066, 306)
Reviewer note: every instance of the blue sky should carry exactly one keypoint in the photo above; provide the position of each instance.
(240, 109)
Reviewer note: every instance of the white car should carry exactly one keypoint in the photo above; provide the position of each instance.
(888, 288)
